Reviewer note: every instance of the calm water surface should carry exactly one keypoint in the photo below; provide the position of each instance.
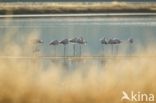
(142, 29)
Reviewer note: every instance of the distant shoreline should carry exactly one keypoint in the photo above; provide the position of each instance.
(59, 8)
(80, 15)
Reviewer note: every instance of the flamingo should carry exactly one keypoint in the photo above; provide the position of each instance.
(74, 41)
(35, 43)
(103, 41)
(64, 42)
(111, 42)
(130, 41)
(54, 43)
(115, 41)
(81, 41)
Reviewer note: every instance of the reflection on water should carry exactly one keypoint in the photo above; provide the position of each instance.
(68, 64)
(90, 78)
(142, 30)
(92, 29)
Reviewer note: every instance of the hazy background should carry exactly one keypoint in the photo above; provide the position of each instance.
(75, 0)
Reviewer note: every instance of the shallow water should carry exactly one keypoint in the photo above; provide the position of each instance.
(86, 79)
(142, 29)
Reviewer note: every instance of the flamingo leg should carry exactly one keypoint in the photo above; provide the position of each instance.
(64, 50)
(73, 49)
(36, 50)
(103, 49)
(55, 50)
(112, 50)
(117, 48)
(80, 49)
(130, 49)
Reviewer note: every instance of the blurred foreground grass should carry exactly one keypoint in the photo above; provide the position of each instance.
(31, 82)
